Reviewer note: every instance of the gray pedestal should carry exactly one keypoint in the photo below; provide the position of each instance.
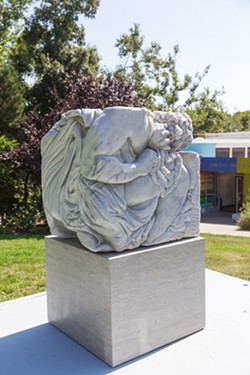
(122, 305)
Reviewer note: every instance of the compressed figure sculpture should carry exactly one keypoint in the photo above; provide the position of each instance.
(117, 180)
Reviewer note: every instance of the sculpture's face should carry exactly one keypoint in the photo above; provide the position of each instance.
(160, 138)
(172, 131)
(180, 133)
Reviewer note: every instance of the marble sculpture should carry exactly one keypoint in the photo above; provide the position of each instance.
(115, 178)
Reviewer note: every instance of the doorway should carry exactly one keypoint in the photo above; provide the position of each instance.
(230, 191)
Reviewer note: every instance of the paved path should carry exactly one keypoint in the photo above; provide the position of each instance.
(221, 223)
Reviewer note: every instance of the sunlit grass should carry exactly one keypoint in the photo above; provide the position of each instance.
(228, 254)
(22, 266)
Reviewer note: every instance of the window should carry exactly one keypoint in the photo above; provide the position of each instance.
(239, 152)
(208, 196)
(222, 152)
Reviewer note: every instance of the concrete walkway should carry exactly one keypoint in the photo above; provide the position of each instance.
(221, 223)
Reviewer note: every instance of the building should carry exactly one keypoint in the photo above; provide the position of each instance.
(225, 170)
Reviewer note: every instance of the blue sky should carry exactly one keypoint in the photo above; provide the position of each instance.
(208, 32)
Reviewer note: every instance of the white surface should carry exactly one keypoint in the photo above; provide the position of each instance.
(22, 313)
(221, 349)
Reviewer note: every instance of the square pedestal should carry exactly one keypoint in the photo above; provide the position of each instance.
(122, 305)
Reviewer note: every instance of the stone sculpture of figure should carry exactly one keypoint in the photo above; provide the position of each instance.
(117, 180)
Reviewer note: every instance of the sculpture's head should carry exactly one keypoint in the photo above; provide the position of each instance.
(180, 128)
(172, 131)
(160, 138)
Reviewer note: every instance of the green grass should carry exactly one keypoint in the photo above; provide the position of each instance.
(22, 265)
(228, 254)
(22, 261)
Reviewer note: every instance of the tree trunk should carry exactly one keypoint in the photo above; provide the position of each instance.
(26, 189)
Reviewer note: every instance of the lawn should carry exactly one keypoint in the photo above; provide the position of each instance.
(22, 265)
(22, 261)
(228, 254)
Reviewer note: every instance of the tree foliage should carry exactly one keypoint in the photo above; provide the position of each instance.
(39, 53)
(25, 159)
(51, 46)
(208, 114)
(159, 86)
(8, 186)
(81, 92)
(156, 79)
(241, 121)
(12, 101)
(12, 15)
(244, 219)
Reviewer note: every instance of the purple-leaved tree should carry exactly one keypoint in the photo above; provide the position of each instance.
(81, 92)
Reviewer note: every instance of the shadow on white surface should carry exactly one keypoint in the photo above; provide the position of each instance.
(47, 351)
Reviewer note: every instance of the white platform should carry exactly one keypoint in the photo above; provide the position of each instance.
(31, 346)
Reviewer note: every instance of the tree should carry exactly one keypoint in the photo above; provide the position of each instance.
(8, 186)
(241, 121)
(38, 55)
(12, 14)
(208, 114)
(51, 46)
(155, 78)
(11, 98)
(81, 92)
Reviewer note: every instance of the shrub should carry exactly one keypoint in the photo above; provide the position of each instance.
(22, 218)
(244, 220)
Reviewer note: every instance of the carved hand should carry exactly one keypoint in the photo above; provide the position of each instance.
(160, 138)
(148, 159)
